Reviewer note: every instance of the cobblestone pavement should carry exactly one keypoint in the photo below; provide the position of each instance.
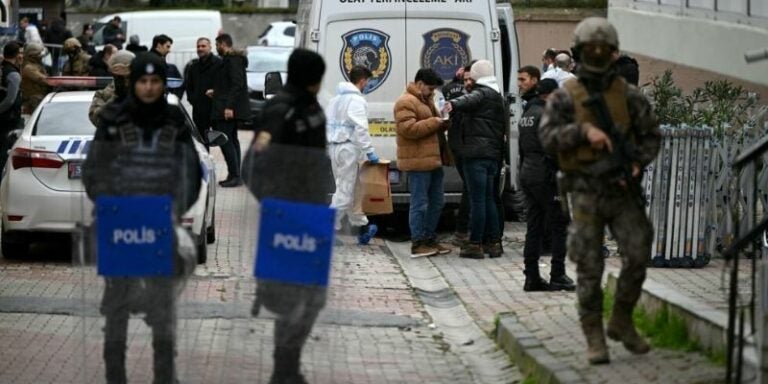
(374, 329)
(492, 286)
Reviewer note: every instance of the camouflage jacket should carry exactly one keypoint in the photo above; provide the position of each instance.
(77, 65)
(33, 85)
(560, 131)
(101, 98)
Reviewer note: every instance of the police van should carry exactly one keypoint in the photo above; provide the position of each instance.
(394, 38)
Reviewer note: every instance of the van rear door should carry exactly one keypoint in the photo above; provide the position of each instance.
(511, 63)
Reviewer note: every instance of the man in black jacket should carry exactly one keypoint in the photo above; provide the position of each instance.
(539, 184)
(231, 107)
(452, 90)
(143, 147)
(161, 46)
(288, 160)
(483, 127)
(113, 33)
(199, 78)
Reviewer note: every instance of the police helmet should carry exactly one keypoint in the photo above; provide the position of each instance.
(34, 50)
(71, 45)
(594, 41)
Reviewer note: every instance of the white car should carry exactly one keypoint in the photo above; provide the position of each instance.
(41, 192)
(279, 33)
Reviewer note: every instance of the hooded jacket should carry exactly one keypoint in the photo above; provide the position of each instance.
(484, 121)
(348, 118)
(230, 90)
(421, 144)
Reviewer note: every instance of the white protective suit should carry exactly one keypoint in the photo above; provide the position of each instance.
(348, 143)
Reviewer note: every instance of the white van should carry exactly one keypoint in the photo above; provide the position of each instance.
(394, 39)
(184, 27)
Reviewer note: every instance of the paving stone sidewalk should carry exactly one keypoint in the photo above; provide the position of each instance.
(491, 287)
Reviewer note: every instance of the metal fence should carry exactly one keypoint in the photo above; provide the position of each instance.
(691, 192)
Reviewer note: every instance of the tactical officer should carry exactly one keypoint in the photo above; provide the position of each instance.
(117, 90)
(143, 147)
(296, 168)
(33, 77)
(603, 132)
(77, 65)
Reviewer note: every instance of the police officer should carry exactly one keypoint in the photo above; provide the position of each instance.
(77, 65)
(539, 184)
(296, 168)
(117, 90)
(603, 132)
(33, 77)
(142, 147)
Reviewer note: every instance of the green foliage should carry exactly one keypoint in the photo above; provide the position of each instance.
(728, 108)
(529, 380)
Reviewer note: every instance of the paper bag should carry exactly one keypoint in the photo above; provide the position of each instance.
(372, 192)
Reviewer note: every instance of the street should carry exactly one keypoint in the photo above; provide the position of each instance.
(389, 318)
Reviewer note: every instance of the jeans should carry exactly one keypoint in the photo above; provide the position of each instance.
(462, 217)
(542, 208)
(231, 149)
(481, 175)
(427, 200)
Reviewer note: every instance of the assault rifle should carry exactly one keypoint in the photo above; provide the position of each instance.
(618, 164)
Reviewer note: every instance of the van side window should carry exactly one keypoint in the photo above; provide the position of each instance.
(506, 55)
(265, 31)
(290, 31)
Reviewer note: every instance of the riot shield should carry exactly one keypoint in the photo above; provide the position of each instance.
(142, 212)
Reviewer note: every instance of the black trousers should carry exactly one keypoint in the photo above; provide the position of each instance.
(462, 217)
(543, 208)
(202, 124)
(231, 149)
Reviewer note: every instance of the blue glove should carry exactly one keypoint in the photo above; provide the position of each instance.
(373, 158)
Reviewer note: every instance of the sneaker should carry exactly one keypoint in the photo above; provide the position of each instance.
(472, 251)
(493, 249)
(459, 238)
(441, 250)
(419, 249)
(561, 283)
(233, 182)
(366, 234)
(536, 284)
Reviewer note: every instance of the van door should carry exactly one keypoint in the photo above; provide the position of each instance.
(511, 63)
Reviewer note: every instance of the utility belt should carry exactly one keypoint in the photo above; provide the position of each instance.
(607, 184)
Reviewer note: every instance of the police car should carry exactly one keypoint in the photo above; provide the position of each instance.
(41, 192)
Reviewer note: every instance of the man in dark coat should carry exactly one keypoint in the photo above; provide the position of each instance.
(539, 183)
(231, 107)
(199, 77)
(113, 33)
(452, 90)
(98, 63)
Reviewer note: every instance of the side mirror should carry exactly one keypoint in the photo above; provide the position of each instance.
(216, 138)
(273, 82)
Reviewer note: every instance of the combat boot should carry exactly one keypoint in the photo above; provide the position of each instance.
(597, 350)
(622, 328)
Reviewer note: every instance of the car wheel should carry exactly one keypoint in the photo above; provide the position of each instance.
(210, 232)
(13, 248)
(202, 251)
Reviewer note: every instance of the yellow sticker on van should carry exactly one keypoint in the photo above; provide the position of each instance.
(381, 128)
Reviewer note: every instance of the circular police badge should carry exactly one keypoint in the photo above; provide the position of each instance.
(150, 69)
(368, 48)
(445, 51)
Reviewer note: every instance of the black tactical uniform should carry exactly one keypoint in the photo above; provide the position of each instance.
(144, 149)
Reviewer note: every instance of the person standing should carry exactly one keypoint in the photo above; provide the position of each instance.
(98, 64)
(28, 32)
(350, 143)
(34, 84)
(452, 90)
(482, 148)
(57, 34)
(604, 189)
(294, 129)
(231, 107)
(199, 77)
(561, 72)
(539, 183)
(143, 147)
(421, 152)
(77, 64)
(86, 39)
(527, 78)
(161, 46)
(134, 45)
(113, 33)
(10, 103)
(117, 90)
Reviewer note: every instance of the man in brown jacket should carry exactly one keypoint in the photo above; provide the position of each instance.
(421, 152)
(34, 84)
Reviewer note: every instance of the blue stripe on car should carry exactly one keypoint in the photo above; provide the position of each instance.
(63, 146)
(75, 146)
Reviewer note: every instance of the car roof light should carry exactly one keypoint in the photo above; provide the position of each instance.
(95, 82)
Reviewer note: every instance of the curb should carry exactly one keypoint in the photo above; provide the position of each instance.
(529, 354)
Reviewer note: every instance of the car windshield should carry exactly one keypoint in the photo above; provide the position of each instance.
(64, 118)
(268, 60)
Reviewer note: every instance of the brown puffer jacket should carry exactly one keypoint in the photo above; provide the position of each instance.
(421, 144)
(33, 83)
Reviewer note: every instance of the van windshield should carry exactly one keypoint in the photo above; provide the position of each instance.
(268, 60)
(98, 33)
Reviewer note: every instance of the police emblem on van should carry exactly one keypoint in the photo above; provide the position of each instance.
(445, 51)
(369, 48)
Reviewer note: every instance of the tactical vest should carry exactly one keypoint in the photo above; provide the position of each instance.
(615, 96)
(12, 117)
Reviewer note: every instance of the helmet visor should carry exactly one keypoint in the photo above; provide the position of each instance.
(597, 56)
